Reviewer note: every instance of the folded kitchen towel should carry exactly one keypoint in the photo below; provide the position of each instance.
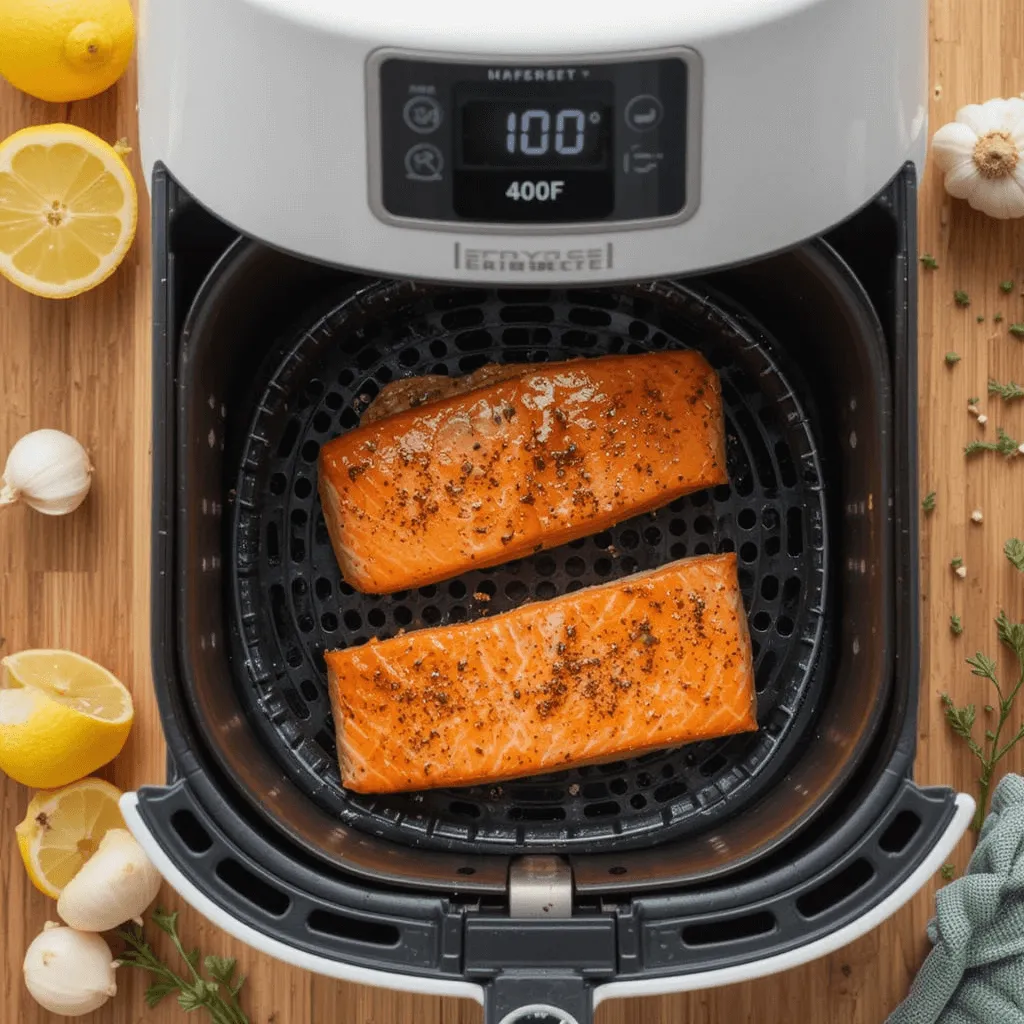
(975, 971)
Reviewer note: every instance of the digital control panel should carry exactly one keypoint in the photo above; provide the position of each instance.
(494, 143)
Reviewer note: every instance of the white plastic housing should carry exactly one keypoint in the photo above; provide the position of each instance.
(259, 108)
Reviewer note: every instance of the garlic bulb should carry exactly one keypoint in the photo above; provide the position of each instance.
(981, 154)
(115, 885)
(69, 973)
(47, 470)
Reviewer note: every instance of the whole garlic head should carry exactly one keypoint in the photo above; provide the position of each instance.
(69, 973)
(49, 471)
(981, 154)
(115, 885)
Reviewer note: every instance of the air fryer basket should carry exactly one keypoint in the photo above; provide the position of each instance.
(279, 355)
(291, 604)
(752, 867)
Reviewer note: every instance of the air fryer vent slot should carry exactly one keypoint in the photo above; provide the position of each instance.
(842, 886)
(252, 888)
(735, 929)
(898, 835)
(355, 929)
(191, 833)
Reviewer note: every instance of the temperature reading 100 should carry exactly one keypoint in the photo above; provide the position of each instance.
(530, 133)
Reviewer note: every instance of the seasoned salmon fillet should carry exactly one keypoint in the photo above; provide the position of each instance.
(475, 479)
(654, 660)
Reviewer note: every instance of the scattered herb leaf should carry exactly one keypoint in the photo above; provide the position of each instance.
(929, 502)
(928, 261)
(955, 625)
(1008, 392)
(980, 319)
(947, 871)
(952, 358)
(194, 991)
(961, 298)
(973, 401)
(998, 318)
(956, 563)
(961, 720)
(1005, 446)
(1014, 551)
(1006, 286)
(1017, 330)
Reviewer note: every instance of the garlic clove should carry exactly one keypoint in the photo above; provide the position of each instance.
(981, 118)
(954, 143)
(116, 884)
(68, 972)
(47, 470)
(1002, 198)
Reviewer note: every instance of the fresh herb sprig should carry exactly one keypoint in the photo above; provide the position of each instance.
(1006, 445)
(1007, 392)
(961, 720)
(928, 261)
(219, 996)
(928, 502)
(961, 298)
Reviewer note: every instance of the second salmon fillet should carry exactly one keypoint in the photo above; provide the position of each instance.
(488, 476)
(650, 661)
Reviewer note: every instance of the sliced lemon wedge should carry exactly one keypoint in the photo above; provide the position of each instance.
(62, 830)
(68, 210)
(62, 716)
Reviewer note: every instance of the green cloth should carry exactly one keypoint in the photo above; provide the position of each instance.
(975, 971)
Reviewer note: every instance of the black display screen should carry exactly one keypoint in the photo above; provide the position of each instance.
(531, 134)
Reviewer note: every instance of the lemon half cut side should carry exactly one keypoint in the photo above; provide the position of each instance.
(68, 210)
(62, 716)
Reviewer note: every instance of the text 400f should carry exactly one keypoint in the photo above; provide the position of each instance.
(534, 191)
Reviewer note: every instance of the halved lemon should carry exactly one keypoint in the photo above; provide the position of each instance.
(68, 210)
(62, 830)
(62, 716)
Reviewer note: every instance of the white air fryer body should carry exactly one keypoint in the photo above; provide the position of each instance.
(270, 112)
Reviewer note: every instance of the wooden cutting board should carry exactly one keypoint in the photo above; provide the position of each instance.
(83, 582)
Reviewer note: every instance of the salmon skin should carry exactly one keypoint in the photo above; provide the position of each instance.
(654, 660)
(475, 479)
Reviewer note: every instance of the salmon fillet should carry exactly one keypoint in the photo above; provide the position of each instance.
(532, 462)
(410, 392)
(654, 660)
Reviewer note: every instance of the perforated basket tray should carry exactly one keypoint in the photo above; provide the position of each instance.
(291, 604)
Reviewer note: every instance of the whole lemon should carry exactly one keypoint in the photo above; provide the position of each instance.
(65, 50)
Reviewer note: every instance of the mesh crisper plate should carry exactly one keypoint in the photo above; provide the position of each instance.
(290, 604)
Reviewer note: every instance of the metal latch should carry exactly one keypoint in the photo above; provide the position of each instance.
(539, 887)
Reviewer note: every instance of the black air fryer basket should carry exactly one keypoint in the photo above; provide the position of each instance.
(708, 863)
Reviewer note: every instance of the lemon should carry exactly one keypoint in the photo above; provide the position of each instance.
(62, 829)
(61, 717)
(65, 50)
(68, 210)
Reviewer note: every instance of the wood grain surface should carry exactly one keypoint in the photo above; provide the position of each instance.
(82, 583)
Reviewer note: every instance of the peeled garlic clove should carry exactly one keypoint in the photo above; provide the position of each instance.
(115, 885)
(68, 972)
(49, 471)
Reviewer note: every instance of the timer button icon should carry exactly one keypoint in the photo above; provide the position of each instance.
(422, 114)
(644, 113)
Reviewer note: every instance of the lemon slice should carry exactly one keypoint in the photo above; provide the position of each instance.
(62, 716)
(61, 831)
(68, 210)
